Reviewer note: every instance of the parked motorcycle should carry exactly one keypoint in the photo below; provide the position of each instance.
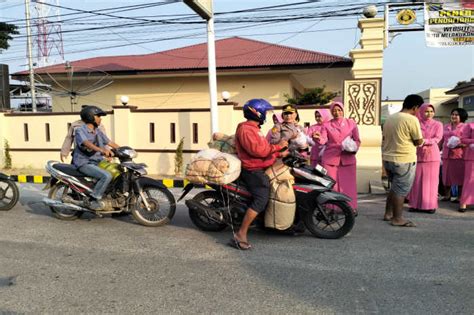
(324, 212)
(9, 193)
(148, 200)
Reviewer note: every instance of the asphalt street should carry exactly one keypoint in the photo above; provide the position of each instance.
(114, 265)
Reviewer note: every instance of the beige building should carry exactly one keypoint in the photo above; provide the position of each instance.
(177, 78)
(464, 96)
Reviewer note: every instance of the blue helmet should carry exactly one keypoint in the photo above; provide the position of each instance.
(256, 109)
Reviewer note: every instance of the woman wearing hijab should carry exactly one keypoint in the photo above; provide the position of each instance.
(339, 162)
(277, 119)
(321, 116)
(453, 163)
(467, 139)
(424, 192)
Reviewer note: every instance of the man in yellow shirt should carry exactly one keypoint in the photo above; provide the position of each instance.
(401, 136)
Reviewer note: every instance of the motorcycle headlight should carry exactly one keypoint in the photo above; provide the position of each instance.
(130, 153)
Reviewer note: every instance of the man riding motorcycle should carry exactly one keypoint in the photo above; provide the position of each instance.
(91, 148)
(256, 154)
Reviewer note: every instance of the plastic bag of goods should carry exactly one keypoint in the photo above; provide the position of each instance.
(211, 166)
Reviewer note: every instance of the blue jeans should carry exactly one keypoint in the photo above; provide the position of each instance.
(104, 177)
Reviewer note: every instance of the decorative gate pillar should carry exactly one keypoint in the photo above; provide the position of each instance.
(362, 99)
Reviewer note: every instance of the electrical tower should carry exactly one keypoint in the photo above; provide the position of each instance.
(48, 39)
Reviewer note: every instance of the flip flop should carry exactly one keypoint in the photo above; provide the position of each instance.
(406, 224)
(235, 243)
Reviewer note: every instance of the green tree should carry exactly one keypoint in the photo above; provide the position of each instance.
(178, 158)
(7, 159)
(6, 30)
(316, 95)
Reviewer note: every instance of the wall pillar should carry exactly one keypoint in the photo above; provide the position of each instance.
(362, 98)
(226, 112)
(121, 125)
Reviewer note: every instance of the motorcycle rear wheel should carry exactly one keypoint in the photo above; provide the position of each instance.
(162, 204)
(210, 199)
(9, 194)
(332, 220)
(57, 192)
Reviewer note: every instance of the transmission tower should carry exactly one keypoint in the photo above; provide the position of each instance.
(48, 39)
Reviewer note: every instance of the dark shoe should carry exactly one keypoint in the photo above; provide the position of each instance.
(456, 200)
(446, 199)
(412, 210)
(431, 211)
(462, 210)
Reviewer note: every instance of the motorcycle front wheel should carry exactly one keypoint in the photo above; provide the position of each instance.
(58, 192)
(162, 207)
(210, 199)
(332, 220)
(9, 194)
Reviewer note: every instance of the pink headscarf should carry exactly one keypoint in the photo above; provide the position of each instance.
(425, 122)
(278, 117)
(325, 114)
(341, 106)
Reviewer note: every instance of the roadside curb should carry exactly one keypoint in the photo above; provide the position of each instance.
(39, 179)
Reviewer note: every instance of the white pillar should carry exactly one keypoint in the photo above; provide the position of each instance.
(211, 59)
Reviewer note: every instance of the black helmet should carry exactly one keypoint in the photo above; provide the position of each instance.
(88, 113)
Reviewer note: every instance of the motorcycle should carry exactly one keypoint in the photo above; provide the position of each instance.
(9, 193)
(149, 201)
(324, 212)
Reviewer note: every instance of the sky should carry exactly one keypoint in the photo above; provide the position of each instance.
(409, 66)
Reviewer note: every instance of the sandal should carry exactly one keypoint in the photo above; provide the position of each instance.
(406, 224)
(241, 245)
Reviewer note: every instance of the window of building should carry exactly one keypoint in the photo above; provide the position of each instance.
(173, 133)
(152, 132)
(25, 132)
(195, 133)
(48, 134)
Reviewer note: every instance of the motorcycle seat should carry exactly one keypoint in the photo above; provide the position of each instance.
(68, 169)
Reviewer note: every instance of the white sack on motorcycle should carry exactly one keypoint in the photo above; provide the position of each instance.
(281, 208)
(210, 166)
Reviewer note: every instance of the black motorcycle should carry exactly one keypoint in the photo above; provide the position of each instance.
(148, 200)
(324, 212)
(9, 193)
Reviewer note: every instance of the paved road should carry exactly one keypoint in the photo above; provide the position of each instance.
(108, 265)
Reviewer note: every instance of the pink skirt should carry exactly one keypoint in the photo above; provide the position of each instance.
(424, 192)
(467, 196)
(453, 172)
(346, 180)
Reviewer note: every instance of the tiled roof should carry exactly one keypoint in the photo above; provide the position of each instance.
(231, 53)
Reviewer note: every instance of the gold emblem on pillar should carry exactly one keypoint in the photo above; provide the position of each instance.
(406, 17)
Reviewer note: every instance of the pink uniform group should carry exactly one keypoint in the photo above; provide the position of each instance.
(457, 162)
(329, 152)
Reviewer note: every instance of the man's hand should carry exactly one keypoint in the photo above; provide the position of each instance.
(284, 153)
(62, 157)
(107, 153)
(283, 143)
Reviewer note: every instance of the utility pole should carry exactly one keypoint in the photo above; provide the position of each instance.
(30, 57)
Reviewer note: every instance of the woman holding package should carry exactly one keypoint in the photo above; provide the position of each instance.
(341, 137)
(289, 130)
(453, 152)
(424, 193)
(321, 116)
(467, 139)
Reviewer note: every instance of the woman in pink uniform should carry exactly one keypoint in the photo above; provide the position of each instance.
(277, 119)
(341, 164)
(321, 116)
(453, 163)
(424, 192)
(467, 196)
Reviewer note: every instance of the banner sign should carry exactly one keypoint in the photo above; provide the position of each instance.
(449, 24)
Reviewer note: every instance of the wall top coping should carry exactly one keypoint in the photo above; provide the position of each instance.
(371, 23)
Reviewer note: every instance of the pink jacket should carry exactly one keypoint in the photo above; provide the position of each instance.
(467, 138)
(332, 135)
(448, 132)
(315, 146)
(432, 132)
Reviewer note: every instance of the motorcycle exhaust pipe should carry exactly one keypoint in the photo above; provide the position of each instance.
(59, 204)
